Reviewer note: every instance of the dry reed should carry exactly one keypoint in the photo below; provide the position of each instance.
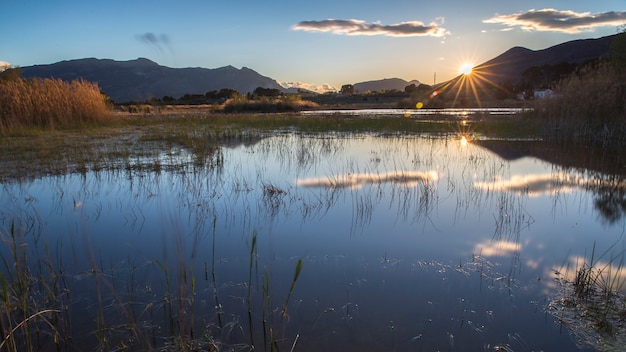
(590, 105)
(50, 103)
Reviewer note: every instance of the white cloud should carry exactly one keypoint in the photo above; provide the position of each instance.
(324, 88)
(553, 20)
(4, 66)
(360, 27)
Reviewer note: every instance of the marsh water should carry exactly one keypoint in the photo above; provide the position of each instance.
(407, 243)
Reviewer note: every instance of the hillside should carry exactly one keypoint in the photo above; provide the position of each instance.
(383, 84)
(142, 79)
(509, 66)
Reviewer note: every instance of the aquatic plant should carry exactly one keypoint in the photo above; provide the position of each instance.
(592, 304)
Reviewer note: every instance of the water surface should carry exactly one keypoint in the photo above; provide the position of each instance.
(407, 243)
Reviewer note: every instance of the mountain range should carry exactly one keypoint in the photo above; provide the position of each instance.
(142, 79)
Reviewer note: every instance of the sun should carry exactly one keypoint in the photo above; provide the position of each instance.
(466, 68)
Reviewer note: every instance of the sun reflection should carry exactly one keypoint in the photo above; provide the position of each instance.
(464, 141)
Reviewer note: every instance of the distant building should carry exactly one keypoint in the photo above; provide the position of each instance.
(543, 94)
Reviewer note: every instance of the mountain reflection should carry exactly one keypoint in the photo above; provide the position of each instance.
(356, 180)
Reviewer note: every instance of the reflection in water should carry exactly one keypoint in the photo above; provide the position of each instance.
(588, 299)
(356, 181)
(533, 185)
(609, 191)
(212, 251)
(497, 248)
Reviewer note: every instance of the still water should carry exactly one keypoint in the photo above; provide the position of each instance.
(407, 243)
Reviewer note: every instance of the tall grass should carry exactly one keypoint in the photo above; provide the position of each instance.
(50, 103)
(590, 106)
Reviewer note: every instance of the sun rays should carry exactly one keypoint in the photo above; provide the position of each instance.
(473, 86)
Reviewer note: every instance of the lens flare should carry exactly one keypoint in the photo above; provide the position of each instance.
(466, 68)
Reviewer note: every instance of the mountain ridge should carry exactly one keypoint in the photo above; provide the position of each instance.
(142, 79)
(510, 65)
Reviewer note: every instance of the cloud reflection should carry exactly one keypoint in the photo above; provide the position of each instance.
(497, 248)
(355, 181)
(603, 272)
(533, 185)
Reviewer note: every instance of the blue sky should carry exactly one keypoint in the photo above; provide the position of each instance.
(315, 42)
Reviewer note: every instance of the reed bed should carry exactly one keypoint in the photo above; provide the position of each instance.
(589, 107)
(50, 103)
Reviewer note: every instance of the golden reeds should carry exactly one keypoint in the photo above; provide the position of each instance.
(50, 103)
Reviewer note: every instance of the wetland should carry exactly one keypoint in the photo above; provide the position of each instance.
(399, 234)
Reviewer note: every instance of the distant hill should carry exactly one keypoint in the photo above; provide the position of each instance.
(142, 79)
(509, 66)
(383, 84)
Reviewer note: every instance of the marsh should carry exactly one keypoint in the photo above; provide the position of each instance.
(407, 242)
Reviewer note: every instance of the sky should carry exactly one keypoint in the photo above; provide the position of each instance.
(314, 43)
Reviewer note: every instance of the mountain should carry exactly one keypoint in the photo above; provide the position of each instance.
(509, 66)
(141, 79)
(383, 84)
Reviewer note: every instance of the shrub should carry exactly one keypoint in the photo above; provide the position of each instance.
(265, 104)
(50, 103)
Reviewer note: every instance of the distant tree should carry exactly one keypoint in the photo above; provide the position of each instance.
(347, 89)
(192, 97)
(227, 93)
(267, 92)
(410, 88)
(11, 74)
(211, 95)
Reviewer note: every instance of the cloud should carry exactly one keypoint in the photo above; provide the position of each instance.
(4, 66)
(565, 21)
(158, 42)
(360, 27)
(324, 88)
